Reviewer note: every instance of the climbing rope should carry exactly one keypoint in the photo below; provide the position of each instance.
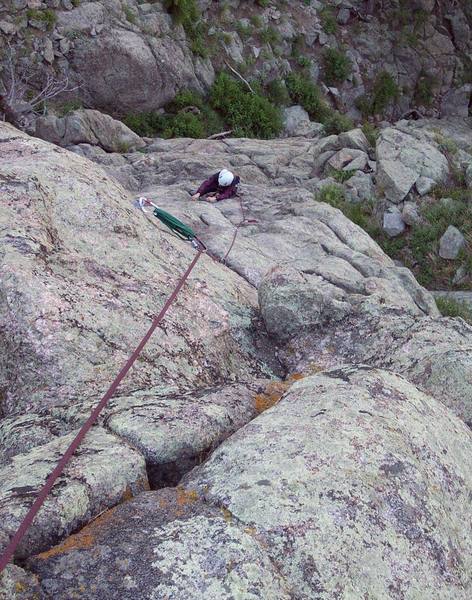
(243, 221)
(184, 232)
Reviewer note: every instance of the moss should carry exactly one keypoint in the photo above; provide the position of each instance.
(129, 14)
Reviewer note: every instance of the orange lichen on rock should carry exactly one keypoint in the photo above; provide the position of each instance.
(273, 393)
(84, 539)
(185, 496)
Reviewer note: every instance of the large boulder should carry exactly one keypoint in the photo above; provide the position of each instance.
(88, 127)
(83, 274)
(124, 71)
(402, 159)
(348, 481)
(341, 488)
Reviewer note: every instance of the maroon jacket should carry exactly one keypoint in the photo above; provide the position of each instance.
(211, 185)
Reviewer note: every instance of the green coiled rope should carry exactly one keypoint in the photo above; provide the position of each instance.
(179, 228)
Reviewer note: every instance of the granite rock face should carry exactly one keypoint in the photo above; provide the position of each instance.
(355, 482)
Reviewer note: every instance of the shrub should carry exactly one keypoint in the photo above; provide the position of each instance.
(328, 21)
(384, 91)
(331, 194)
(371, 133)
(185, 12)
(449, 307)
(249, 115)
(47, 16)
(129, 14)
(68, 106)
(336, 123)
(263, 3)
(337, 66)
(277, 92)
(424, 95)
(269, 35)
(185, 124)
(304, 92)
(147, 124)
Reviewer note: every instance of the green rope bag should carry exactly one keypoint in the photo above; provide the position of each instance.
(183, 231)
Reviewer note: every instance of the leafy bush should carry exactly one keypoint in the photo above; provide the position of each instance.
(449, 307)
(186, 13)
(269, 35)
(277, 92)
(147, 124)
(331, 194)
(328, 21)
(371, 133)
(337, 66)
(424, 95)
(185, 124)
(248, 115)
(384, 91)
(336, 123)
(47, 16)
(304, 92)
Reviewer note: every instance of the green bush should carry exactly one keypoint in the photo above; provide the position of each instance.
(371, 133)
(384, 91)
(331, 194)
(185, 124)
(247, 114)
(336, 123)
(269, 36)
(337, 66)
(449, 307)
(328, 21)
(303, 91)
(186, 13)
(424, 94)
(277, 92)
(147, 124)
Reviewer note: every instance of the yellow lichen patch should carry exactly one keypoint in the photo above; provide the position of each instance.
(250, 530)
(185, 496)
(227, 515)
(84, 539)
(20, 587)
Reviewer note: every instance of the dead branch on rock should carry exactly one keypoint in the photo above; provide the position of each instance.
(240, 77)
(18, 94)
(219, 136)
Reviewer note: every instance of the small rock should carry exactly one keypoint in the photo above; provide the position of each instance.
(410, 214)
(322, 38)
(354, 139)
(343, 16)
(297, 123)
(48, 51)
(424, 185)
(348, 159)
(359, 187)
(468, 175)
(451, 243)
(7, 28)
(460, 275)
(393, 223)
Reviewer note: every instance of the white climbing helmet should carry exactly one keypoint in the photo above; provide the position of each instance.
(225, 178)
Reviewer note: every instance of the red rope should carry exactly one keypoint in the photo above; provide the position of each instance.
(43, 493)
(243, 221)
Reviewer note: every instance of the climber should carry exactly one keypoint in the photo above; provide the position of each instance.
(220, 186)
